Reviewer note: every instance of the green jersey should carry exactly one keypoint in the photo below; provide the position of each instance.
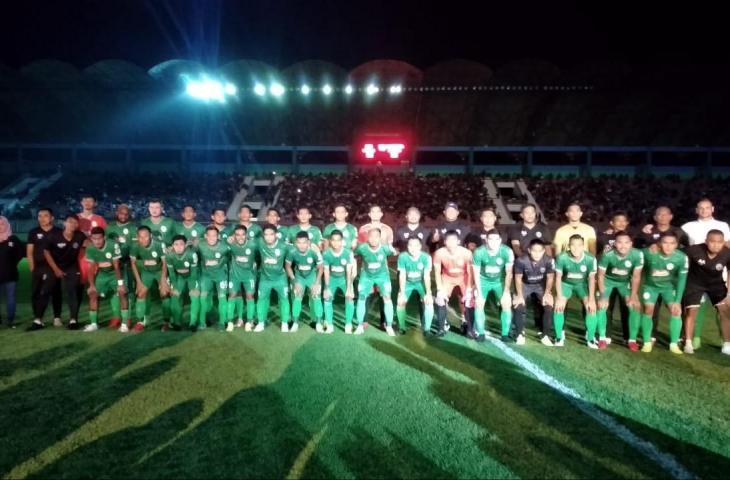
(349, 233)
(214, 260)
(315, 234)
(148, 258)
(575, 271)
(620, 269)
(253, 231)
(125, 234)
(185, 265)
(272, 260)
(493, 266)
(243, 258)
(305, 264)
(104, 257)
(338, 262)
(162, 231)
(665, 272)
(414, 267)
(192, 233)
(375, 262)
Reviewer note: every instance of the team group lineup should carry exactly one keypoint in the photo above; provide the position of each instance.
(234, 269)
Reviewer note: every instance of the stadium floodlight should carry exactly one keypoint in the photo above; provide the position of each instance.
(207, 89)
(277, 89)
(230, 89)
(259, 89)
(305, 89)
(349, 89)
(372, 89)
(327, 89)
(395, 89)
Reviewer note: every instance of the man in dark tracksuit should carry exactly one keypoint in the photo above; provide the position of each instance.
(534, 276)
(39, 268)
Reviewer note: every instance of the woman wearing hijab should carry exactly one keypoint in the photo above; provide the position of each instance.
(12, 251)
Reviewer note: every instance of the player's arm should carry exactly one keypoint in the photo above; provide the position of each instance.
(547, 298)
(91, 276)
(601, 282)
(437, 272)
(470, 277)
(164, 286)
(591, 300)
(682, 280)
(558, 243)
(29, 249)
(350, 277)
(518, 299)
(401, 282)
(508, 273)
(121, 288)
(52, 263)
(635, 283)
(592, 242)
(473, 268)
(289, 269)
(427, 277)
(320, 271)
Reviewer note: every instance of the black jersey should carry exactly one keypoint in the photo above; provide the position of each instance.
(64, 252)
(704, 270)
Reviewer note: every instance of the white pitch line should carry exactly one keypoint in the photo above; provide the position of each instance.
(665, 460)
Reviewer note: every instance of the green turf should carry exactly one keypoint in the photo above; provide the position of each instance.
(304, 405)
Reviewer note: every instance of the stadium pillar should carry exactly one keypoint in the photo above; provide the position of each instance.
(470, 162)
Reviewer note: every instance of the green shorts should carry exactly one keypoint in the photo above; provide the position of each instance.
(105, 284)
(414, 287)
(209, 284)
(623, 289)
(489, 287)
(649, 295)
(337, 283)
(150, 278)
(580, 290)
(181, 284)
(366, 284)
(280, 286)
(243, 282)
(306, 283)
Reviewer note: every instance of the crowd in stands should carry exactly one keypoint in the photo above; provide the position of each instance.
(393, 192)
(638, 196)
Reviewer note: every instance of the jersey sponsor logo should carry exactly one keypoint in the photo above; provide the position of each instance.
(535, 278)
(211, 263)
(415, 274)
(374, 265)
(575, 275)
(660, 273)
(454, 271)
(149, 263)
(105, 264)
(304, 268)
(338, 269)
(619, 271)
(492, 269)
(241, 259)
(182, 271)
(270, 261)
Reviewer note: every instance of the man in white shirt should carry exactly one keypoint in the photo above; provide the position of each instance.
(697, 233)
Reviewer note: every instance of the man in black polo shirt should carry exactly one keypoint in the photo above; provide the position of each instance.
(522, 233)
(39, 268)
(61, 251)
(413, 228)
(451, 222)
(619, 223)
(662, 223)
(707, 262)
(534, 277)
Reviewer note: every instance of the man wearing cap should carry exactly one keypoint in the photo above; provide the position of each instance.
(451, 222)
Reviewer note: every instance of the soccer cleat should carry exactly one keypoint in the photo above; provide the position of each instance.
(114, 323)
(248, 327)
(230, 326)
(546, 341)
(647, 347)
(36, 325)
(348, 329)
(633, 346)
(653, 340)
(138, 327)
(285, 328)
(561, 342)
(329, 329)
(294, 327)
(73, 324)
(725, 348)
(465, 329)
(608, 340)
(319, 328)
(92, 327)
(389, 330)
(696, 343)
(688, 348)
(674, 348)
(447, 326)
(592, 345)
(505, 338)
(520, 340)
(602, 344)
(57, 322)
(481, 338)
(259, 327)
(239, 323)
(359, 330)
(123, 328)
(440, 334)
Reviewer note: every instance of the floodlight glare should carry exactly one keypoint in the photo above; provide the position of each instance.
(276, 89)
(327, 89)
(259, 89)
(305, 89)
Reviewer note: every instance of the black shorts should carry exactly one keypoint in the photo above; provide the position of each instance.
(694, 292)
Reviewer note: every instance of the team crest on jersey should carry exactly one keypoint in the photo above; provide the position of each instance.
(163, 229)
(309, 260)
(627, 263)
(277, 252)
(76, 245)
(125, 231)
(343, 261)
(194, 233)
(187, 264)
(93, 223)
(420, 266)
(380, 256)
(542, 269)
(670, 266)
(718, 267)
(524, 233)
(583, 268)
(39, 235)
(538, 234)
(420, 235)
(154, 254)
(701, 261)
(500, 261)
(248, 251)
(108, 255)
(217, 255)
(406, 234)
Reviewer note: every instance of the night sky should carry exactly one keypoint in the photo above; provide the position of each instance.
(349, 32)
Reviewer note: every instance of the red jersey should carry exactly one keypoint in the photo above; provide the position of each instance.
(386, 233)
(454, 267)
(86, 224)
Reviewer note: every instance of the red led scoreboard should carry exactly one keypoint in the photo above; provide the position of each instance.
(393, 148)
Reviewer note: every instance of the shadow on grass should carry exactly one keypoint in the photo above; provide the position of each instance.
(517, 409)
(42, 359)
(43, 410)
